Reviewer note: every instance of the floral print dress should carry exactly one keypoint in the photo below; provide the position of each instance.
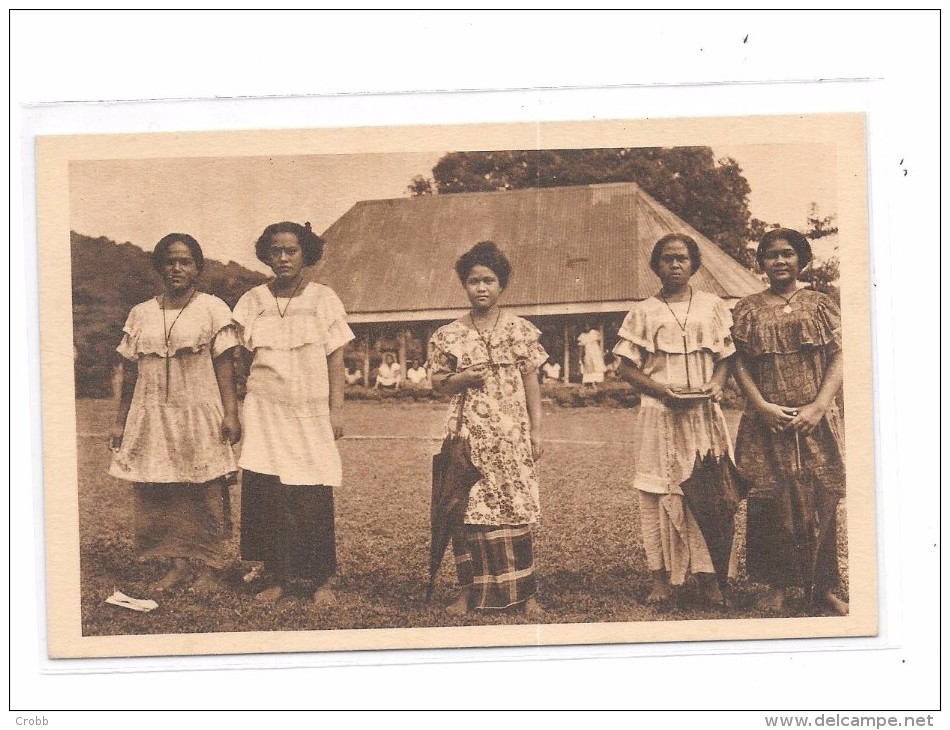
(495, 420)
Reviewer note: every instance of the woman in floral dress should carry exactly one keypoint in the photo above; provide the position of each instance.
(490, 358)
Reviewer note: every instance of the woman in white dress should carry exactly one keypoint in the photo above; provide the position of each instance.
(295, 330)
(675, 341)
(177, 419)
(592, 363)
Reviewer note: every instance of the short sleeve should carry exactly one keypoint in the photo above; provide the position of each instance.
(742, 325)
(128, 347)
(438, 358)
(528, 352)
(634, 341)
(829, 322)
(634, 353)
(223, 329)
(334, 315)
(637, 330)
(721, 345)
(241, 317)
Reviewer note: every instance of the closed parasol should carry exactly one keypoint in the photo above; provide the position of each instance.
(805, 527)
(453, 476)
(713, 492)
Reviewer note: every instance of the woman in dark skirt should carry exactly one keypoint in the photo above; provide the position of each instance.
(791, 438)
(295, 330)
(177, 419)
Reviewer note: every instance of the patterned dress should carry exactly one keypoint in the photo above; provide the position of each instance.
(171, 446)
(787, 355)
(494, 550)
(667, 439)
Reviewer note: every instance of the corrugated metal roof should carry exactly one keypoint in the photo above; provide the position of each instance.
(582, 244)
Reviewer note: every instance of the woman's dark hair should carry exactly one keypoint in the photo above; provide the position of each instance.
(161, 250)
(484, 253)
(310, 243)
(694, 257)
(795, 239)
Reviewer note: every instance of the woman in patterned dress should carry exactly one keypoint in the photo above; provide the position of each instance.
(789, 364)
(490, 358)
(177, 419)
(674, 341)
(295, 330)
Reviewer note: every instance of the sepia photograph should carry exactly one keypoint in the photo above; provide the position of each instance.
(484, 385)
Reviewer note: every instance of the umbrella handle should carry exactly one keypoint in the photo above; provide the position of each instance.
(798, 454)
(458, 421)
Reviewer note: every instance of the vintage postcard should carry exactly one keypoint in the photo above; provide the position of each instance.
(638, 349)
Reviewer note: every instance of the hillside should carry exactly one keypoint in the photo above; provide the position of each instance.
(108, 280)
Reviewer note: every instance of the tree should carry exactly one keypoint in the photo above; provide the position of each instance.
(710, 195)
(420, 185)
(822, 276)
(819, 226)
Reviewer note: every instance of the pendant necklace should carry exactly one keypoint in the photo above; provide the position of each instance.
(490, 334)
(682, 326)
(168, 336)
(788, 301)
(293, 294)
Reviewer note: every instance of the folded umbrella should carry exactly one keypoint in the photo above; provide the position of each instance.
(805, 527)
(713, 492)
(453, 476)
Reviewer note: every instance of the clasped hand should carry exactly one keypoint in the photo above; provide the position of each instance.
(801, 420)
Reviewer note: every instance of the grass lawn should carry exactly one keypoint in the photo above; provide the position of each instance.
(591, 564)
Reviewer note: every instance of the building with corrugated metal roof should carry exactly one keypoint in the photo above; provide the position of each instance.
(580, 258)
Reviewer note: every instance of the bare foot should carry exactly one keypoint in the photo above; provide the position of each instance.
(323, 596)
(772, 602)
(660, 592)
(173, 578)
(834, 604)
(532, 609)
(208, 581)
(712, 595)
(270, 595)
(458, 607)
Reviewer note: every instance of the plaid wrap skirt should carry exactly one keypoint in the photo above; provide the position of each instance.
(496, 564)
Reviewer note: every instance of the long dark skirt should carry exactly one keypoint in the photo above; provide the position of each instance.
(496, 563)
(771, 554)
(181, 520)
(288, 527)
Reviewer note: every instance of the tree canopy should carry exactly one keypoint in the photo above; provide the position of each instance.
(711, 195)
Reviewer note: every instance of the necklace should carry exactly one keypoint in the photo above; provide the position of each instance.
(168, 336)
(482, 336)
(682, 326)
(292, 295)
(788, 300)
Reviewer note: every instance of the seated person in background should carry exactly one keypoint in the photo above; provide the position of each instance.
(417, 375)
(389, 375)
(551, 372)
(353, 375)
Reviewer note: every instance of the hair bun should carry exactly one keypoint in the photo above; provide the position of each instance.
(307, 225)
